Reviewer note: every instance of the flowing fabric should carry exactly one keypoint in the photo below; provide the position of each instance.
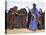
(33, 23)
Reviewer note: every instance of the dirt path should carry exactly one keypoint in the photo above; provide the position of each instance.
(23, 30)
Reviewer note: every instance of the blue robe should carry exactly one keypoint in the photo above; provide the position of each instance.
(33, 23)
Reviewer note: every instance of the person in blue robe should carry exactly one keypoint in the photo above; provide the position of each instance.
(33, 20)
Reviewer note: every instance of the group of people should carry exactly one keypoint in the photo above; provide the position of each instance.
(33, 18)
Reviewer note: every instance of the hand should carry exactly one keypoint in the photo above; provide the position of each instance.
(12, 13)
(16, 13)
(34, 16)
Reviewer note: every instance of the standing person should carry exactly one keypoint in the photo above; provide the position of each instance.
(40, 19)
(34, 18)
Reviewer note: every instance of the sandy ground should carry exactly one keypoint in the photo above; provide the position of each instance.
(23, 30)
